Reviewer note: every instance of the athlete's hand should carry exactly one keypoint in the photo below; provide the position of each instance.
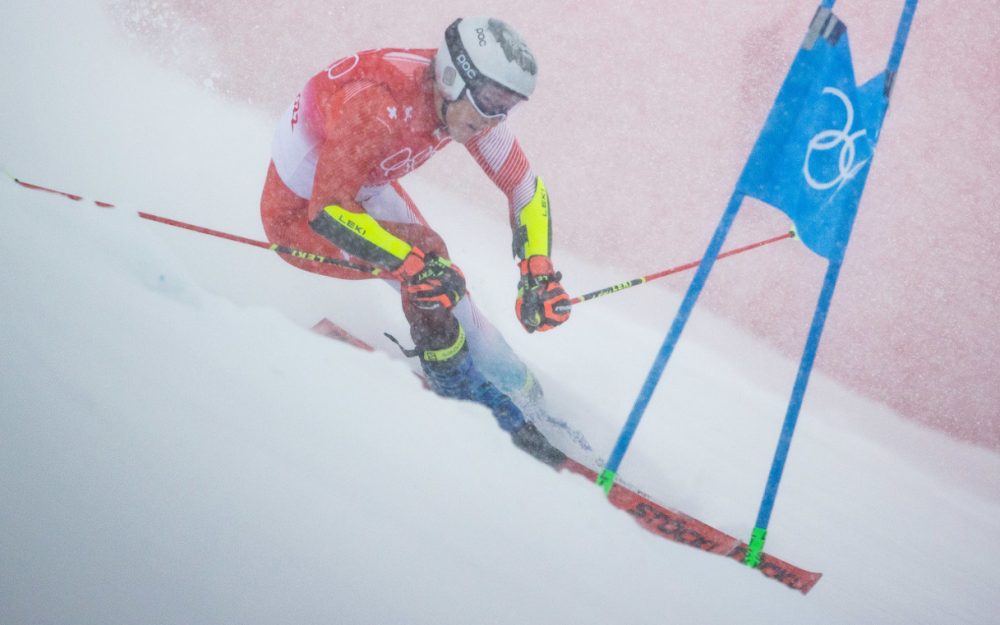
(429, 281)
(542, 304)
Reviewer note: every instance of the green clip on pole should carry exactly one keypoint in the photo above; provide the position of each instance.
(755, 551)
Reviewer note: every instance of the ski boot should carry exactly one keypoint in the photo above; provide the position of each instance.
(531, 441)
(459, 378)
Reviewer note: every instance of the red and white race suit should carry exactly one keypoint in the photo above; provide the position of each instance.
(357, 128)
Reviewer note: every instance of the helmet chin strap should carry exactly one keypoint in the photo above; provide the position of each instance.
(445, 103)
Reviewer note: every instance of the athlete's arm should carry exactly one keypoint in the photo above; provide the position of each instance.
(500, 156)
(541, 304)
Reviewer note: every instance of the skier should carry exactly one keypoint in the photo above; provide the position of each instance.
(333, 188)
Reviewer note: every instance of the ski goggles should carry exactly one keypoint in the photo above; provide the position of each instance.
(490, 99)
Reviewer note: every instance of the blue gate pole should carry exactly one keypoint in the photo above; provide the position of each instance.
(756, 547)
(607, 477)
(759, 534)
(902, 34)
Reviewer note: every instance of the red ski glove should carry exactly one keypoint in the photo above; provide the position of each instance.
(542, 304)
(430, 281)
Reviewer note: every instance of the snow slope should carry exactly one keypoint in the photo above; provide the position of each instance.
(177, 447)
(670, 98)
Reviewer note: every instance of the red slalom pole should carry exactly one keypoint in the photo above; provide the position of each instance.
(666, 272)
(274, 247)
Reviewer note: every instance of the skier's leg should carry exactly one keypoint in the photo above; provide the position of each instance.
(398, 213)
(502, 366)
(453, 352)
(439, 337)
(450, 369)
(496, 359)
(284, 216)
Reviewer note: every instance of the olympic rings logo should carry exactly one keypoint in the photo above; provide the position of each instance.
(832, 139)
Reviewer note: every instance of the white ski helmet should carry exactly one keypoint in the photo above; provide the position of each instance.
(489, 59)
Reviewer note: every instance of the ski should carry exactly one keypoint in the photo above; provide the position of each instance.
(650, 515)
(331, 330)
(681, 528)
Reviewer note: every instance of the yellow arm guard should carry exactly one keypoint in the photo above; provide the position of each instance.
(533, 230)
(360, 235)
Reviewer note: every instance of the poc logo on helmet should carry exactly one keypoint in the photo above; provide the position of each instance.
(466, 66)
(482, 37)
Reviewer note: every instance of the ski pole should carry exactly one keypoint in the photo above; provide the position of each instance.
(274, 247)
(666, 272)
(375, 271)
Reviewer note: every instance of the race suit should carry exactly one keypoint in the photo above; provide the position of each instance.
(357, 128)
